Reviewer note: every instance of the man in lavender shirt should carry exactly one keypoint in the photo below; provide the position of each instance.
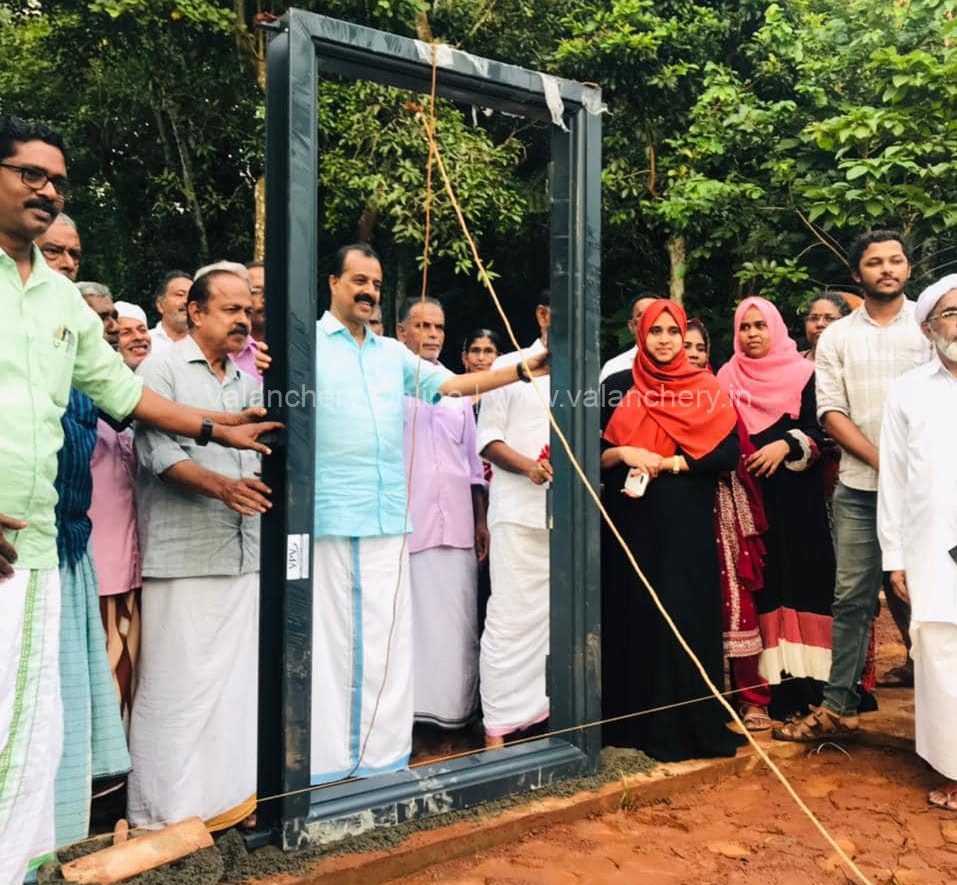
(449, 535)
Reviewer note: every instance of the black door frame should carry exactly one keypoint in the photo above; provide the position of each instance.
(304, 46)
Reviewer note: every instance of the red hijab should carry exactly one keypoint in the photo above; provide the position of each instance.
(672, 404)
(764, 389)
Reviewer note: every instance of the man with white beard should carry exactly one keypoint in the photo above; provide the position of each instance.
(917, 525)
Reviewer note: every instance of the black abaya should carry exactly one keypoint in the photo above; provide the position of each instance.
(671, 532)
(794, 607)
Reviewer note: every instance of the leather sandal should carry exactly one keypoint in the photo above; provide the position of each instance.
(820, 725)
(944, 797)
(755, 718)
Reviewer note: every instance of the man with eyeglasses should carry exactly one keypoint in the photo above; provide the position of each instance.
(917, 524)
(257, 285)
(50, 340)
(857, 359)
(61, 247)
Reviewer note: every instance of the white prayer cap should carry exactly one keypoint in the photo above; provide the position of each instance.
(932, 294)
(130, 311)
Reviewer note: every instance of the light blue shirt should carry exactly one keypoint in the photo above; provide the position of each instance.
(360, 466)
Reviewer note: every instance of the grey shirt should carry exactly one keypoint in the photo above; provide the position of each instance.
(854, 364)
(182, 533)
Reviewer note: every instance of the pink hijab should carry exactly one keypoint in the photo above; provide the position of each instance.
(765, 389)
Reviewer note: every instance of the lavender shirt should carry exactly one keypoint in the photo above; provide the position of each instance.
(246, 358)
(443, 471)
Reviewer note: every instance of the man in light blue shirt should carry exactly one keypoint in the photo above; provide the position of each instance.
(362, 628)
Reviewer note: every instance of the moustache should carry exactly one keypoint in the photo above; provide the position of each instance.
(365, 299)
(44, 205)
(239, 329)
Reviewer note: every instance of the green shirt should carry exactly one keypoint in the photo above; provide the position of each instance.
(49, 340)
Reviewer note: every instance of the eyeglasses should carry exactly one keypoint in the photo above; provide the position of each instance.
(949, 314)
(36, 179)
(51, 250)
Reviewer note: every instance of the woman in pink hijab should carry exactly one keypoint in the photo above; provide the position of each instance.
(772, 387)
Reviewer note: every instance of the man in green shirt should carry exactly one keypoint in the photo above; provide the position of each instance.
(50, 340)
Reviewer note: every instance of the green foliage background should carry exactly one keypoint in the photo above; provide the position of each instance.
(756, 136)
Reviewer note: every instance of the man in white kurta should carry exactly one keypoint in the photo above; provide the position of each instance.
(513, 434)
(917, 524)
(624, 360)
(449, 535)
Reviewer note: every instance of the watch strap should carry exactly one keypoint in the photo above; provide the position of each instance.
(205, 433)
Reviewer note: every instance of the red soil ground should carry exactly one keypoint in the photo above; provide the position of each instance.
(747, 830)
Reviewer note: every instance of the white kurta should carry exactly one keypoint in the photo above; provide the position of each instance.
(917, 525)
(618, 363)
(514, 415)
(194, 723)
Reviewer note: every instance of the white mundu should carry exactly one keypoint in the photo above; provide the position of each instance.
(917, 524)
(31, 717)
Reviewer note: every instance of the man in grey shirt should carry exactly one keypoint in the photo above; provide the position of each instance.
(193, 728)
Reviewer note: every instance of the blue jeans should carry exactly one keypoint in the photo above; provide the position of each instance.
(857, 585)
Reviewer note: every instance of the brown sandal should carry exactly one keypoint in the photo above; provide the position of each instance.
(755, 718)
(820, 725)
(944, 797)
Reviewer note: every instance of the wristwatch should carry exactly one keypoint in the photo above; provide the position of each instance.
(206, 433)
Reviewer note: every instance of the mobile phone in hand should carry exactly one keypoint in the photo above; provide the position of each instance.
(635, 485)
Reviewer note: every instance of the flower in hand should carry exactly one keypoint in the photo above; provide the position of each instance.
(542, 472)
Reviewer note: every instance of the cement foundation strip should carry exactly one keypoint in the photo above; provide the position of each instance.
(892, 727)
(441, 845)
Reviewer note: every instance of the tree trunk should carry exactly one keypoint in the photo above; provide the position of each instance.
(367, 223)
(186, 171)
(259, 239)
(677, 255)
(401, 286)
(163, 135)
(422, 28)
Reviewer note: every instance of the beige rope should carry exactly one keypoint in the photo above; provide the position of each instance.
(415, 413)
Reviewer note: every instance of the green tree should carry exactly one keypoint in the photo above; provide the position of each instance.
(162, 105)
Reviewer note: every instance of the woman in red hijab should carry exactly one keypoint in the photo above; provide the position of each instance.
(772, 386)
(671, 422)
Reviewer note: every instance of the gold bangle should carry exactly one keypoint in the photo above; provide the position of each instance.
(675, 465)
